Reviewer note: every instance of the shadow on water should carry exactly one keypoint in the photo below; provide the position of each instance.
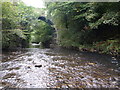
(58, 68)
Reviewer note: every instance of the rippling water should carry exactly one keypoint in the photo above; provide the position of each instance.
(58, 68)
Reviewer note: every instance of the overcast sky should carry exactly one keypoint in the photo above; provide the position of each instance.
(35, 3)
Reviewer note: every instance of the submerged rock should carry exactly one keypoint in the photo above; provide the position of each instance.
(38, 66)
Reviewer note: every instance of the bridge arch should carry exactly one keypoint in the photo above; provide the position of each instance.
(48, 21)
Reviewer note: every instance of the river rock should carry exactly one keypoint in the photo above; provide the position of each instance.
(38, 66)
(28, 67)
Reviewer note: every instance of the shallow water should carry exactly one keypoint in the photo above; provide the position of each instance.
(58, 68)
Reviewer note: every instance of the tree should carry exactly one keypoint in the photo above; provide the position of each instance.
(17, 23)
(43, 33)
(85, 23)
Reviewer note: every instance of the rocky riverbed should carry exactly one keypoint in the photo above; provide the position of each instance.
(58, 68)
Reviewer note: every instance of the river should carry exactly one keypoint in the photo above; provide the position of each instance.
(58, 68)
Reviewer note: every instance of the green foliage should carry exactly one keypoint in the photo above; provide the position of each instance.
(9, 16)
(12, 39)
(17, 24)
(109, 46)
(85, 23)
(78, 24)
(42, 32)
(104, 13)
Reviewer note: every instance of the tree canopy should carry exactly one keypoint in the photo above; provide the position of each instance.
(89, 25)
(81, 24)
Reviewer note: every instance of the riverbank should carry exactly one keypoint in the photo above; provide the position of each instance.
(111, 47)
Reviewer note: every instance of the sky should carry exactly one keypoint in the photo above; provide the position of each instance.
(34, 3)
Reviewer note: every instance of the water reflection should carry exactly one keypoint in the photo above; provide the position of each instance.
(58, 68)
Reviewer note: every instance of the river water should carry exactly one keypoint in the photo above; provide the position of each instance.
(58, 68)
